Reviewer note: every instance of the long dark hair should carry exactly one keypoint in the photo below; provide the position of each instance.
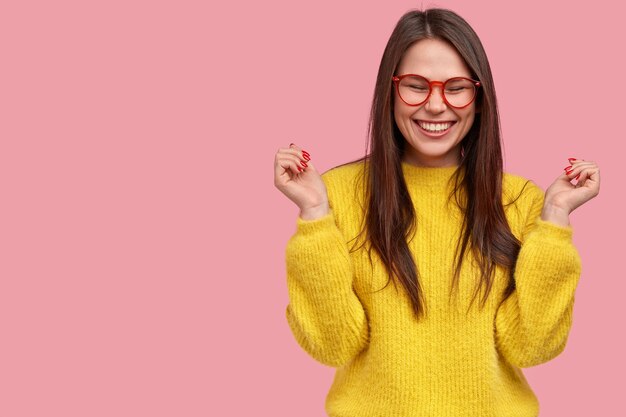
(390, 217)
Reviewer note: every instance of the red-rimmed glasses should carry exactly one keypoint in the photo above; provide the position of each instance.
(457, 92)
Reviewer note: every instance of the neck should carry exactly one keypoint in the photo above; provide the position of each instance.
(451, 158)
(431, 179)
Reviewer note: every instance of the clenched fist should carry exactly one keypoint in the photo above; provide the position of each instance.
(562, 197)
(296, 177)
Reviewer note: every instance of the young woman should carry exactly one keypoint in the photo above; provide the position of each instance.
(482, 262)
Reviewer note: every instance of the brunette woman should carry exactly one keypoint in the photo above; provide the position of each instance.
(482, 262)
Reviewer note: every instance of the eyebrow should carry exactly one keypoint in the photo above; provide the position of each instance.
(431, 78)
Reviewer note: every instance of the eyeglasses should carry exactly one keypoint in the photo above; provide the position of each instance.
(457, 92)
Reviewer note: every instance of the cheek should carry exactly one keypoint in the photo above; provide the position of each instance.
(468, 117)
(468, 121)
(398, 114)
(401, 113)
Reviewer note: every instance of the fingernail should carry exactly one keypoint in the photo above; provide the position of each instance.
(577, 176)
(306, 153)
(566, 168)
(303, 164)
(569, 171)
(300, 169)
(306, 157)
(291, 144)
(571, 159)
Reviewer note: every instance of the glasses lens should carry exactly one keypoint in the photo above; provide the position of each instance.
(459, 92)
(413, 89)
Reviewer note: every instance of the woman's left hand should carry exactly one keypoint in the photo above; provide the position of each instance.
(564, 197)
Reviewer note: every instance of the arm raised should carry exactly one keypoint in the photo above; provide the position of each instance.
(532, 325)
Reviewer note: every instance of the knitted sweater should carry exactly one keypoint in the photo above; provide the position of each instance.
(450, 363)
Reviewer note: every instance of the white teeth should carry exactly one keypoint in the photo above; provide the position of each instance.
(434, 127)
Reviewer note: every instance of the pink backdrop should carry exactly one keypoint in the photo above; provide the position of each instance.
(142, 259)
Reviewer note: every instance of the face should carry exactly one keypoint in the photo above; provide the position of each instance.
(437, 61)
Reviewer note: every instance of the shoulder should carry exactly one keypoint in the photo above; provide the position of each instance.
(522, 199)
(520, 191)
(345, 178)
(344, 172)
(346, 194)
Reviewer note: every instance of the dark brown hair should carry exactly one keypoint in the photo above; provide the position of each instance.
(390, 217)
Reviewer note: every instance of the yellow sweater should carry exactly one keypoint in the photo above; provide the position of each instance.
(450, 364)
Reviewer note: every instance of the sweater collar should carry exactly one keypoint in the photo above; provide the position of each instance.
(433, 178)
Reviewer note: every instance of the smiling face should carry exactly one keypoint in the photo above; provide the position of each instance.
(436, 60)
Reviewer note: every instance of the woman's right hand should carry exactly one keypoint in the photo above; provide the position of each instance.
(296, 177)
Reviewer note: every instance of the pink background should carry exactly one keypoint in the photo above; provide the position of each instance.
(142, 260)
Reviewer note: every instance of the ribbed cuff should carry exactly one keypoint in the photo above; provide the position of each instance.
(553, 231)
(309, 227)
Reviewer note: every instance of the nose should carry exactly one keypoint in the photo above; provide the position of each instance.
(435, 102)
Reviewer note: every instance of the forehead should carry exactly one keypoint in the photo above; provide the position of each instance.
(434, 59)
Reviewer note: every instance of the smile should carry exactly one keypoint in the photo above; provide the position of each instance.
(434, 129)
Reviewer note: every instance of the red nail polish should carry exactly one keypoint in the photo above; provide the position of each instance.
(566, 168)
(571, 159)
(306, 158)
(300, 169)
(568, 172)
(303, 164)
(305, 152)
(577, 176)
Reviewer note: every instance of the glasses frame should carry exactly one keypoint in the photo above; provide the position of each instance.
(397, 78)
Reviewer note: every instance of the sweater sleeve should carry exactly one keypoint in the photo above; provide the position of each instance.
(324, 313)
(533, 323)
